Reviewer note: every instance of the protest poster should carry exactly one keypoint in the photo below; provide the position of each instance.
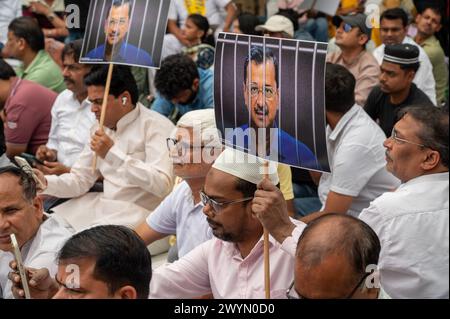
(270, 99)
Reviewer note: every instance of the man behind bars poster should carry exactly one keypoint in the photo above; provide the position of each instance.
(116, 49)
(262, 137)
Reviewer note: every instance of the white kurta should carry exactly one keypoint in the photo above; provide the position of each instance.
(412, 224)
(39, 252)
(424, 77)
(137, 175)
(71, 127)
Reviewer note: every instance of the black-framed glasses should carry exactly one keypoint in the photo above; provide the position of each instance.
(403, 141)
(218, 206)
(292, 293)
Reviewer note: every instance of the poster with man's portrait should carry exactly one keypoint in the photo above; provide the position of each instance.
(128, 32)
(270, 99)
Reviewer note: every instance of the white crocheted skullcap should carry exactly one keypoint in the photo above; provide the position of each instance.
(246, 166)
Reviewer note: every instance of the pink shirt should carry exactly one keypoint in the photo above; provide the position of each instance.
(366, 71)
(217, 267)
(28, 114)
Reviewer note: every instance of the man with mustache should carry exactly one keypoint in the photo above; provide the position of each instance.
(261, 136)
(39, 235)
(412, 223)
(116, 49)
(132, 159)
(72, 118)
(394, 30)
(396, 90)
(229, 266)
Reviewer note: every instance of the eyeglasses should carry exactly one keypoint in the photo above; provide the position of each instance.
(269, 92)
(121, 22)
(216, 206)
(403, 141)
(181, 147)
(291, 293)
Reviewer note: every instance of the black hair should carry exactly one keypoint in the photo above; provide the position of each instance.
(395, 14)
(28, 29)
(246, 188)
(349, 236)
(2, 140)
(177, 73)
(29, 190)
(248, 23)
(339, 89)
(257, 55)
(121, 257)
(433, 8)
(202, 23)
(291, 15)
(434, 128)
(122, 81)
(410, 67)
(6, 71)
(73, 49)
(119, 3)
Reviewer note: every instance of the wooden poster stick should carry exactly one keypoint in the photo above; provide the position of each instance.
(104, 105)
(266, 247)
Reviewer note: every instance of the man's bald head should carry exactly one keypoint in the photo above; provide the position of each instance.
(332, 256)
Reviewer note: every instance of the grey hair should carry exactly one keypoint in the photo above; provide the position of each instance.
(29, 190)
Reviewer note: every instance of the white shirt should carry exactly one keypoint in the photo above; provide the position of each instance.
(178, 215)
(424, 77)
(358, 161)
(412, 224)
(39, 252)
(214, 11)
(71, 127)
(10, 9)
(137, 175)
(217, 267)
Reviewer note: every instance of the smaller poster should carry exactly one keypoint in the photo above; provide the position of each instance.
(127, 32)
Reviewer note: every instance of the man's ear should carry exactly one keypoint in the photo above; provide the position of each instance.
(22, 44)
(38, 206)
(363, 39)
(432, 160)
(418, 17)
(196, 84)
(127, 292)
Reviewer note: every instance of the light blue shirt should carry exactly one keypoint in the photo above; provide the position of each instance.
(204, 99)
(178, 215)
(10, 9)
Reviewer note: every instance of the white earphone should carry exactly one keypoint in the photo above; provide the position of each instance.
(124, 100)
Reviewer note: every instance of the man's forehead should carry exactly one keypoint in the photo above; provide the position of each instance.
(120, 11)
(388, 66)
(392, 22)
(407, 126)
(96, 92)
(219, 184)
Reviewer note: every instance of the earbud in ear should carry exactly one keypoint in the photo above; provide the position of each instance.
(124, 100)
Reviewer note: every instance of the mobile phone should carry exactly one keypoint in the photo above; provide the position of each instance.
(31, 159)
(20, 267)
(23, 164)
